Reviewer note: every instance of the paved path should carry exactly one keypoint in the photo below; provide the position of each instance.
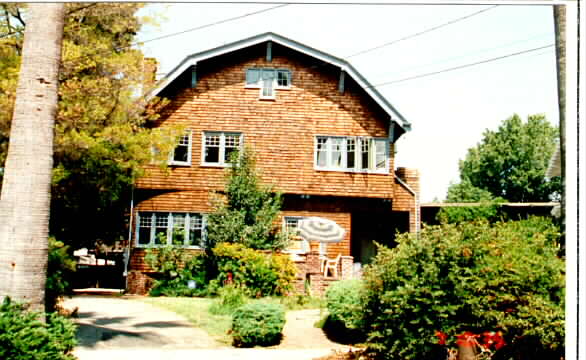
(123, 328)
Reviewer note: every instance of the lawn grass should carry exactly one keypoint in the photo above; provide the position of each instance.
(196, 311)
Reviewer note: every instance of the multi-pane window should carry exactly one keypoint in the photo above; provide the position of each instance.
(358, 154)
(181, 155)
(267, 80)
(218, 147)
(170, 228)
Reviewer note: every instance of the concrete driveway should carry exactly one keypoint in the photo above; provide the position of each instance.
(125, 328)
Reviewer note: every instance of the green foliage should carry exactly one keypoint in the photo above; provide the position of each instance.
(511, 162)
(101, 141)
(230, 297)
(258, 323)
(175, 269)
(248, 212)
(344, 303)
(468, 277)
(262, 273)
(60, 268)
(24, 337)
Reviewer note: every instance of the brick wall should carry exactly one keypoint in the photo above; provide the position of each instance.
(281, 131)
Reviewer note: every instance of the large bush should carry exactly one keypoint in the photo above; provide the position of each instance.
(175, 270)
(258, 323)
(472, 277)
(24, 337)
(262, 273)
(344, 303)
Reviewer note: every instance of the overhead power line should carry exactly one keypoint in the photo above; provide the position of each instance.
(219, 22)
(422, 32)
(462, 66)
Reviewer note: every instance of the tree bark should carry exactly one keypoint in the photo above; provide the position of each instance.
(559, 16)
(25, 196)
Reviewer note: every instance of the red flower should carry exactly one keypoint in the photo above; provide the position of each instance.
(491, 338)
(466, 339)
(441, 337)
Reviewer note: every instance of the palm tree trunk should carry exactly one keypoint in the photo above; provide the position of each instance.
(559, 17)
(25, 196)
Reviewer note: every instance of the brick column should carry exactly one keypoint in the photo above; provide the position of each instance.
(347, 265)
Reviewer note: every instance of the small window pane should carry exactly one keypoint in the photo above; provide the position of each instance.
(365, 153)
(350, 153)
(161, 223)
(195, 230)
(381, 154)
(336, 151)
(181, 153)
(252, 76)
(283, 78)
(212, 148)
(144, 228)
(178, 235)
(322, 152)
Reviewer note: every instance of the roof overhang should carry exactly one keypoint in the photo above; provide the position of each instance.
(345, 66)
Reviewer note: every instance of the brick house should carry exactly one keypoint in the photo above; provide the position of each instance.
(320, 132)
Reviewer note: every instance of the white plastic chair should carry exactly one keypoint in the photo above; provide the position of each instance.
(331, 266)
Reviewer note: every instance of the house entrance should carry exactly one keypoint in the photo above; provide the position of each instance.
(370, 227)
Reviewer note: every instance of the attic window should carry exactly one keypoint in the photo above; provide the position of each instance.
(267, 80)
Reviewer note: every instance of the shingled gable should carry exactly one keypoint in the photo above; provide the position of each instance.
(344, 66)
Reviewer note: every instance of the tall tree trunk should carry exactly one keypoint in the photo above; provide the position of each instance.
(25, 197)
(559, 17)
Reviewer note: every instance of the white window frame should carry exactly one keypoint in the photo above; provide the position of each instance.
(189, 217)
(222, 162)
(274, 81)
(331, 150)
(189, 144)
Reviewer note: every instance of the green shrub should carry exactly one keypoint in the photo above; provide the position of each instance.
(344, 303)
(24, 337)
(230, 298)
(247, 211)
(262, 273)
(258, 323)
(60, 268)
(468, 277)
(175, 269)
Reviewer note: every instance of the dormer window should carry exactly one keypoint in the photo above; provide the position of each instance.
(268, 80)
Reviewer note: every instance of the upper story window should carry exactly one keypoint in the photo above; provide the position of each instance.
(181, 155)
(218, 146)
(267, 80)
(166, 228)
(357, 154)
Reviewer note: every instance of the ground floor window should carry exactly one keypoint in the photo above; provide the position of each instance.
(170, 228)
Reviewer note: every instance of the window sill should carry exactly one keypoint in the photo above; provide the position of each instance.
(215, 165)
(179, 164)
(376, 172)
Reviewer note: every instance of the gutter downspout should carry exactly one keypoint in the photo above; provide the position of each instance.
(127, 250)
(417, 223)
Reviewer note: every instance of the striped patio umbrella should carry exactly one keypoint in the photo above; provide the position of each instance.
(320, 230)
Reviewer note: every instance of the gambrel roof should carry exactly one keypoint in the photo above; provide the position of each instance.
(344, 66)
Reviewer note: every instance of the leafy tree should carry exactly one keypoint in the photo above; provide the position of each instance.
(510, 163)
(102, 129)
(247, 213)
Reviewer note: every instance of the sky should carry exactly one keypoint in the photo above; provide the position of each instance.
(396, 48)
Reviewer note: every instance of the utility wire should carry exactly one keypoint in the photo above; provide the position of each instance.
(462, 66)
(422, 32)
(179, 33)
